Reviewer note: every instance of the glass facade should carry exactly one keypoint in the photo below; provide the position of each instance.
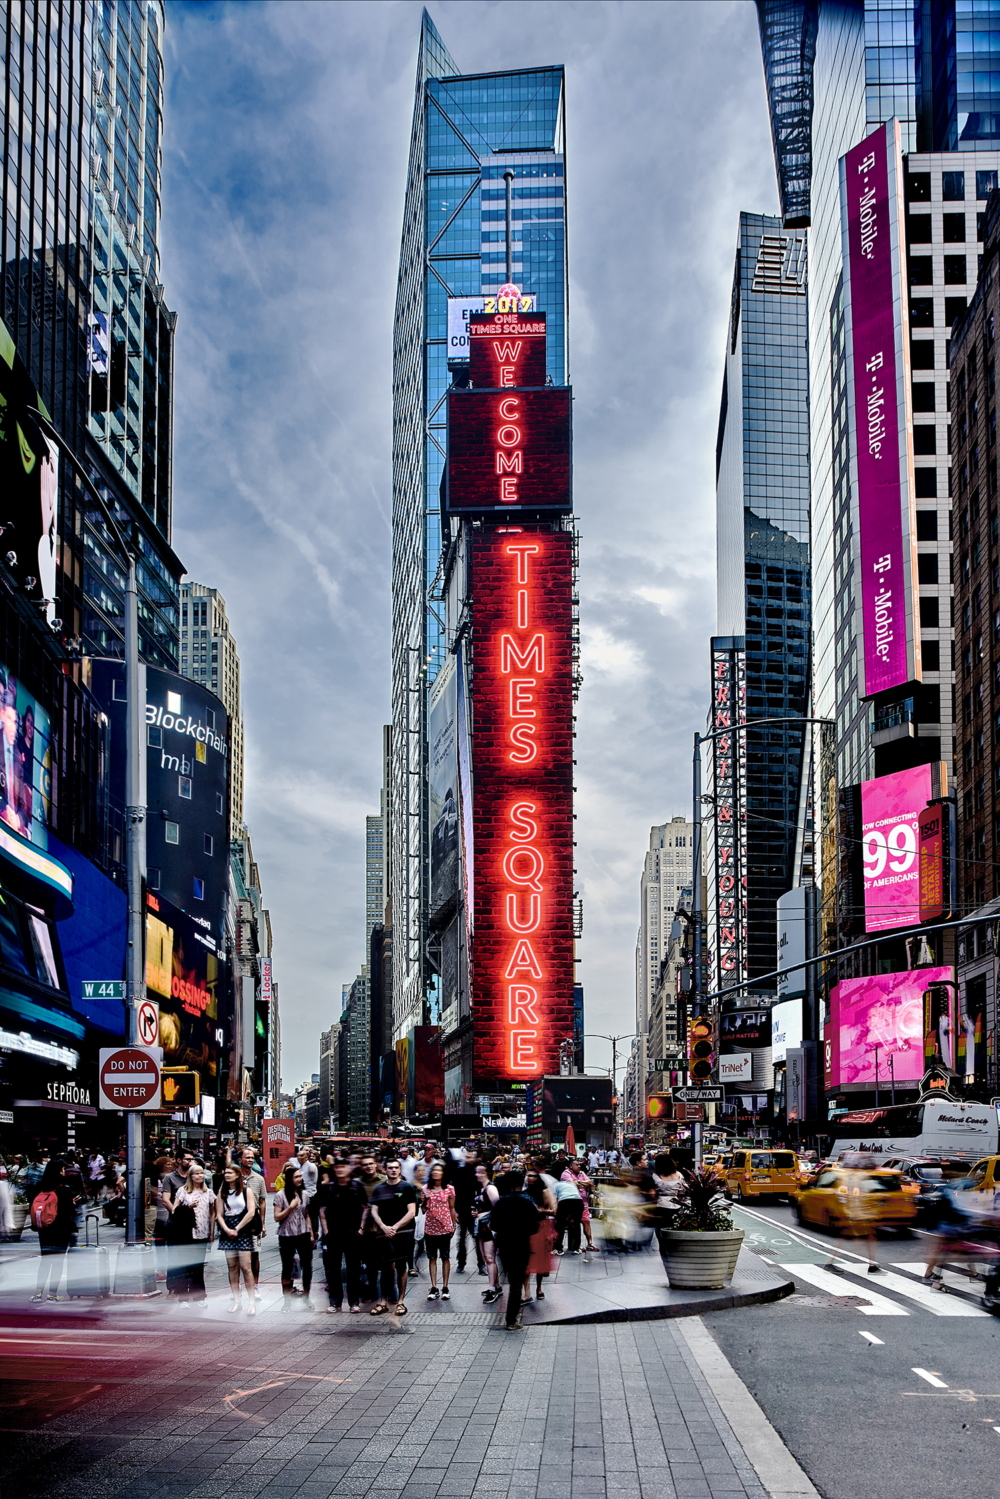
(467, 131)
(763, 552)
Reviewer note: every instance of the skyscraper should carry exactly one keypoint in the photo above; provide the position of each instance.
(209, 655)
(468, 131)
(666, 873)
(762, 507)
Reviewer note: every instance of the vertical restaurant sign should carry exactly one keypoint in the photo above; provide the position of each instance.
(878, 381)
(522, 764)
(265, 981)
(729, 814)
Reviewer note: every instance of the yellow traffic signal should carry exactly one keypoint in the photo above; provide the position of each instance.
(701, 1049)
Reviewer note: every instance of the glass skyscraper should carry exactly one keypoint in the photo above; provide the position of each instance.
(468, 130)
(762, 501)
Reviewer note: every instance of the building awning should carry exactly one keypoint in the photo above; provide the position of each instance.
(35, 864)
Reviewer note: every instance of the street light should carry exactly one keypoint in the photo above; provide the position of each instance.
(135, 823)
(623, 1036)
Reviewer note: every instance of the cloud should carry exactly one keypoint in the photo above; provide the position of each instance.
(285, 146)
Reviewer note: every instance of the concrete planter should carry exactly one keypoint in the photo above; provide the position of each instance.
(702, 1260)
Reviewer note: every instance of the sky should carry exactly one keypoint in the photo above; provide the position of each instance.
(286, 137)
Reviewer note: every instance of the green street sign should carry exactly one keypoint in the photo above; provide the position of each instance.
(104, 988)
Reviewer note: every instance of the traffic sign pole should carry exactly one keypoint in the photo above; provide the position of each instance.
(135, 836)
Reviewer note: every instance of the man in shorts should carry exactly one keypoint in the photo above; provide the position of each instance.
(392, 1209)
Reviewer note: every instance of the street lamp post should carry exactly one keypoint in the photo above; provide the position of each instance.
(624, 1036)
(135, 824)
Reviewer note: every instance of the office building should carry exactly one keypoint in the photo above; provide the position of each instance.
(468, 131)
(666, 875)
(329, 1048)
(208, 655)
(762, 510)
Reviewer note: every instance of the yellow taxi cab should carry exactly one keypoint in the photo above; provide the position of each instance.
(853, 1201)
(985, 1174)
(762, 1173)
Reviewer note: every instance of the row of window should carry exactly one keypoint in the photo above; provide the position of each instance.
(172, 834)
(153, 877)
(918, 186)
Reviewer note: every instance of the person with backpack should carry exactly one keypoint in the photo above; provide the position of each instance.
(53, 1216)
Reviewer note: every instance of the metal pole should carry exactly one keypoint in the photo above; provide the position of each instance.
(135, 840)
(876, 1074)
(696, 912)
(508, 179)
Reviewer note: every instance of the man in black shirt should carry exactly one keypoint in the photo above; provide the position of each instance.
(341, 1210)
(462, 1177)
(513, 1220)
(392, 1208)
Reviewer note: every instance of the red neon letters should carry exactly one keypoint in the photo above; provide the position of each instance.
(509, 450)
(522, 751)
(506, 349)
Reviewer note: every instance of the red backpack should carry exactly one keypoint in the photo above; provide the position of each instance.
(44, 1210)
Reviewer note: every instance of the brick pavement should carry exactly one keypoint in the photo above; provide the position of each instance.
(302, 1411)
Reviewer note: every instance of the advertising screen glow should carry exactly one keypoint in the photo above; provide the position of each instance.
(890, 809)
(878, 1018)
(522, 745)
(874, 293)
(506, 349)
(509, 450)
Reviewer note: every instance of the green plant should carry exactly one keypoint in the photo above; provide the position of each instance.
(701, 1205)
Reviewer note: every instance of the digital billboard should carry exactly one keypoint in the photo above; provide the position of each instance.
(443, 786)
(460, 310)
(29, 482)
(521, 587)
(879, 1017)
(185, 977)
(890, 811)
(25, 761)
(878, 404)
(786, 1028)
(509, 450)
(506, 349)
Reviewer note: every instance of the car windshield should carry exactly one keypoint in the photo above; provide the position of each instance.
(928, 1173)
(880, 1184)
(776, 1160)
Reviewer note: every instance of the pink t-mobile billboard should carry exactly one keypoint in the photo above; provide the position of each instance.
(879, 378)
(879, 1019)
(890, 807)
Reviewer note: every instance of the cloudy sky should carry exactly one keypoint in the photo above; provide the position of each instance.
(287, 131)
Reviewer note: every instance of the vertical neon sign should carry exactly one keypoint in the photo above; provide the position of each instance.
(522, 756)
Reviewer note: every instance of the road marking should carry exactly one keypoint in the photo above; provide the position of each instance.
(809, 1240)
(879, 1306)
(950, 1277)
(870, 1336)
(931, 1301)
(938, 1384)
(997, 1430)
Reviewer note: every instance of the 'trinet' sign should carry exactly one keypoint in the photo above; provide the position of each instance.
(509, 450)
(522, 753)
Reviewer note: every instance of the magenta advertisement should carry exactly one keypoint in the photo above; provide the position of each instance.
(890, 807)
(872, 255)
(880, 1017)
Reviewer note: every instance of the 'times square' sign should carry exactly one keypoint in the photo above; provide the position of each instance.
(522, 759)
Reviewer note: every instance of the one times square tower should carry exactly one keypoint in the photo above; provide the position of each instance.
(485, 205)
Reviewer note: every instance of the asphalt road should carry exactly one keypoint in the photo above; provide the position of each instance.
(898, 1398)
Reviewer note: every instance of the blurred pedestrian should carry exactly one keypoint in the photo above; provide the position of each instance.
(486, 1198)
(196, 1199)
(95, 1173)
(463, 1178)
(540, 1246)
(235, 1212)
(392, 1208)
(513, 1221)
(296, 1236)
(342, 1206)
(53, 1216)
(170, 1184)
(368, 1177)
(569, 1213)
(254, 1182)
(440, 1222)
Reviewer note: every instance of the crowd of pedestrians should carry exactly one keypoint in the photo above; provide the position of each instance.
(373, 1219)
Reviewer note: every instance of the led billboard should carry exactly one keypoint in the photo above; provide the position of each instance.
(29, 482)
(25, 761)
(506, 349)
(875, 1019)
(443, 786)
(890, 811)
(878, 405)
(509, 450)
(185, 977)
(521, 586)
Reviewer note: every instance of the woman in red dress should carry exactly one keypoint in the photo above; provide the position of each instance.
(540, 1258)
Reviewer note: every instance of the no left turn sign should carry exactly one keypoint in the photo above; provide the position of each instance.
(148, 1023)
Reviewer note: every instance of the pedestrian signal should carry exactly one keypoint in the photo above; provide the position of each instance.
(701, 1049)
(658, 1105)
(180, 1090)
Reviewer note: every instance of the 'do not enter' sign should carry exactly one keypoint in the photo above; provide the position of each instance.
(129, 1077)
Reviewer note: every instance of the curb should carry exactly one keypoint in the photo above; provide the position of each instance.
(718, 1301)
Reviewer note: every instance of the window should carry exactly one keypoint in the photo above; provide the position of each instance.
(930, 651)
(927, 529)
(953, 187)
(210, 718)
(925, 441)
(918, 228)
(220, 803)
(154, 737)
(985, 183)
(955, 270)
(953, 225)
(184, 787)
(921, 270)
(209, 844)
(918, 187)
(929, 613)
(922, 312)
(152, 878)
(199, 888)
(922, 353)
(927, 568)
(923, 395)
(954, 308)
(43, 948)
(118, 692)
(174, 702)
(926, 483)
(172, 832)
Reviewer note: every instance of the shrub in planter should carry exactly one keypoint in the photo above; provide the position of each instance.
(700, 1247)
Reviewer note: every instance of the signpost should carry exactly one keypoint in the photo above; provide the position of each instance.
(709, 1093)
(103, 988)
(129, 1077)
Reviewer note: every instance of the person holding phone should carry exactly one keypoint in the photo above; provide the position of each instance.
(296, 1235)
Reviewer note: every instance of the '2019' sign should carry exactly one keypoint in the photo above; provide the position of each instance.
(522, 748)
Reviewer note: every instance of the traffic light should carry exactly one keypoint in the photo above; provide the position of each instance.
(701, 1049)
(658, 1105)
(180, 1089)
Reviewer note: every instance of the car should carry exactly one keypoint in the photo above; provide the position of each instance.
(852, 1201)
(762, 1173)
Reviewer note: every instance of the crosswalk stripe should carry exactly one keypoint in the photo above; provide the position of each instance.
(931, 1301)
(879, 1306)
